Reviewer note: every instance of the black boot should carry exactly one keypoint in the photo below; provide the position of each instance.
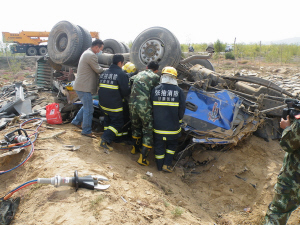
(159, 164)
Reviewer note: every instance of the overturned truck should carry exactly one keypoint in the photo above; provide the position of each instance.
(220, 110)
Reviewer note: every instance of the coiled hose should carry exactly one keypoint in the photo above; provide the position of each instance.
(24, 144)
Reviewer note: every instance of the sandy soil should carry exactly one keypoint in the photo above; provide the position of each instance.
(226, 187)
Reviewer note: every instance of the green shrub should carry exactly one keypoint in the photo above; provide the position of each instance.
(219, 46)
(229, 55)
(177, 211)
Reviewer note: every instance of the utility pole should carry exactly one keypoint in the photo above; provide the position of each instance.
(259, 55)
(234, 56)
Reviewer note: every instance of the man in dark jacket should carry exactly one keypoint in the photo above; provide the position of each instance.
(168, 109)
(113, 88)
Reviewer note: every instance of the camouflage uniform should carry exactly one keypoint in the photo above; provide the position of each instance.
(140, 106)
(287, 188)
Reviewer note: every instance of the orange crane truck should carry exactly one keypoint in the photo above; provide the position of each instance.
(29, 42)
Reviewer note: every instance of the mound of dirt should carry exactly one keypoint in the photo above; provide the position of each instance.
(232, 187)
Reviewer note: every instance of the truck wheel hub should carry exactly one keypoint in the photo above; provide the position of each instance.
(62, 42)
(151, 50)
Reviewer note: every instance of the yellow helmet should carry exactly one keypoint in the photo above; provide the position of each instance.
(129, 67)
(169, 70)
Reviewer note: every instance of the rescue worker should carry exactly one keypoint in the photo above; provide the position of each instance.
(124, 137)
(287, 188)
(191, 48)
(86, 85)
(130, 69)
(168, 109)
(113, 88)
(140, 109)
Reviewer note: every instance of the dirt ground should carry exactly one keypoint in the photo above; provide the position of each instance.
(226, 188)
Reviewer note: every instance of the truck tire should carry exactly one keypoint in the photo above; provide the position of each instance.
(87, 39)
(127, 50)
(43, 51)
(155, 44)
(203, 62)
(65, 43)
(31, 51)
(112, 46)
(106, 58)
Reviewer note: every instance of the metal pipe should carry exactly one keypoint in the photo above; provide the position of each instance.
(271, 109)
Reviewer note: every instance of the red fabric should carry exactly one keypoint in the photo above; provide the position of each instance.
(53, 115)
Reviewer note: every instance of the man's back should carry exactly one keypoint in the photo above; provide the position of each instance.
(113, 88)
(87, 72)
(143, 83)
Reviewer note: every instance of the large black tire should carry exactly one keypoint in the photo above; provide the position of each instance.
(106, 58)
(203, 62)
(127, 50)
(31, 51)
(65, 43)
(155, 44)
(112, 46)
(43, 51)
(87, 39)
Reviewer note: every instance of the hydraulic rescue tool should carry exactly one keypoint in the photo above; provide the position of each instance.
(88, 182)
(9, 207)
(12, 137)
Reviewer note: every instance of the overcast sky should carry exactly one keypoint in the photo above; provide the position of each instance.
(191, 21)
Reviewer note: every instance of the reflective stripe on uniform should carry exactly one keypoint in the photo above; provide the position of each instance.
(166, 103)
(109, 86)
(159, 156)
(112, 110)
(166, 132)
(170, 152)
(180, 121)
(105, 128)
(121, 134)
(113, 129)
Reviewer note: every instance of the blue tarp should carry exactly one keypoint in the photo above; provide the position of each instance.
(218, 108)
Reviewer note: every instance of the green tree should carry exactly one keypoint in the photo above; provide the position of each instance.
(219, 46)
